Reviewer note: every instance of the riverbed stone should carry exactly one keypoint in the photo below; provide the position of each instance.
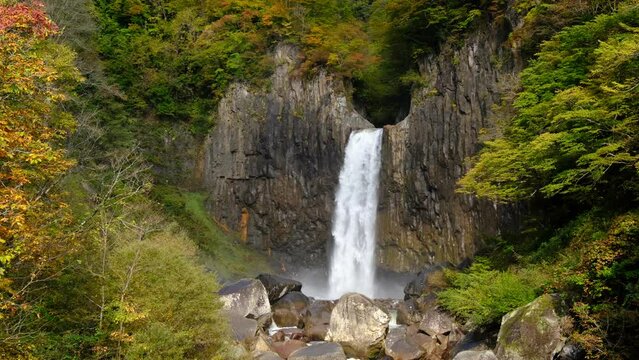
(437, 322)
(429, 279)
(534, 331)
(277, 286)
(408, 313)
(358, 325)
(317, 319)
(476, 355)
(243, 329)
(401, 346)
(290, 309)
(246, 297)
(286, 348)
(265, 355)
(321, 351)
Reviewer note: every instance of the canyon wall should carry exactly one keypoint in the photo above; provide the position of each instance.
(271, 164)
(422, 220)
(272, 161)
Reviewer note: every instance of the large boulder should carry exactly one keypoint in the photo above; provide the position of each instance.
(436, 322)
(286, 348)
(246, 297)
(278, 286)
(243, 329)
(317, 319)
(290, 309)
(265, 355)
(400, 345)
(358, 325)
(475, 355)
(534, 331)
(322, 351)
(408, 313)
(428, 280)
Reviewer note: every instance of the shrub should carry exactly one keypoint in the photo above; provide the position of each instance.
(493, 293)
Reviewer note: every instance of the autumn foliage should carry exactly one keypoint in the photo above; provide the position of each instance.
(35, 76)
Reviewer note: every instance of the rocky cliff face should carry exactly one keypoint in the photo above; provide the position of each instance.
(422, 219)
(272, 162)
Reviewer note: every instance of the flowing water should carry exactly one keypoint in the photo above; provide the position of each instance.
(352, 267)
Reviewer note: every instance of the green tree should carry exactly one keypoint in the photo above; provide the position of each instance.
(575, 133)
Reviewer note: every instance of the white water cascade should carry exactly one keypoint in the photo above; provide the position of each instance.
(352, 267)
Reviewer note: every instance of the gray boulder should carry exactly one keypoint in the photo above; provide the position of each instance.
(536, 331)
(243, 329)
(428, 280)
(277, 286)
(265, 355)
(401, 346)
(285, 348)
(475, 355)
(290, 309)
(317, 319)
(408, 313)
(246, 297)
(358, 325)
(323, 351)
(436, 322)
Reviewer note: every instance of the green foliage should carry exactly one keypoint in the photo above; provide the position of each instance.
(576, 128)
(170, 306)
(494, 293)
(176, 60)
(545, 18)
(221, 250)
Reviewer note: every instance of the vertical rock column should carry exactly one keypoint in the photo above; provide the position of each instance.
(423, 220)
(272, 161)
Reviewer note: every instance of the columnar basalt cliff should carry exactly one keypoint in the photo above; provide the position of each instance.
(422, 219)
(272, 162)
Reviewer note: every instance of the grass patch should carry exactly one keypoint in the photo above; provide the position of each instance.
(221, 251)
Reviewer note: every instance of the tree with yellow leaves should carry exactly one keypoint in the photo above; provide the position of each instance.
(36, 75)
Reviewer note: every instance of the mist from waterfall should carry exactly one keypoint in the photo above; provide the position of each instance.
(352, 267)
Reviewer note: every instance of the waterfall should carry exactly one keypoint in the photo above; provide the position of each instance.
(352, 267)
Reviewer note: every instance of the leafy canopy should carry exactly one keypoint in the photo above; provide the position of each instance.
(576, 132)
(36, 75)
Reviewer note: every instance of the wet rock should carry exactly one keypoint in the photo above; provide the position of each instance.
(290, 309)
(408, 313)
(323, 351)
(571, 351)
(265, 355)
(286, 348)
(430, 279)
(317, 319)
(263, 343)
(278, 286)
(243, 329)
(436, 322)
(476, 355)
(247, 298)
(316, 332)
(400, 346)
(358, 325)
(534, 331)
(279, 336)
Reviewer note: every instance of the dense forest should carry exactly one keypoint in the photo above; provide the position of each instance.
(101, 257)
